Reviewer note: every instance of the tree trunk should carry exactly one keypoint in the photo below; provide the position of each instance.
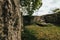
(10, 20)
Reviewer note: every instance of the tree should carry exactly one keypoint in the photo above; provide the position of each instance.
(31, 5)
(10, 17)
(10, 20)
(56, 10)
(57, 15)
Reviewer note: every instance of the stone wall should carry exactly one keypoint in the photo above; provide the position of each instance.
(31, 20)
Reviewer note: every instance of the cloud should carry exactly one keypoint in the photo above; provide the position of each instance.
(47, 7)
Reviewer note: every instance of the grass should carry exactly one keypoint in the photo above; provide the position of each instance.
(49, 32)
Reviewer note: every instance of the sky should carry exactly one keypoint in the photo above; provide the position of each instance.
(47, 7)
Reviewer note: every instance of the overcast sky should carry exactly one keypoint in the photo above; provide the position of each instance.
(47, 7)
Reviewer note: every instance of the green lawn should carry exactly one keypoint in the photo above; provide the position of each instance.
(35, 32)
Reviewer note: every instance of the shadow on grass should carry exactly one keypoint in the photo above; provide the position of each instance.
(57, 24)
(26, 35)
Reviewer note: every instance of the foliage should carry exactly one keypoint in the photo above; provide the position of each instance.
(56, 10)
(55, 17)
(30, 5)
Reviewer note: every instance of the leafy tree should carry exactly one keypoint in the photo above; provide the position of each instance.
(57, 15)
(28, 7)
(31, 5)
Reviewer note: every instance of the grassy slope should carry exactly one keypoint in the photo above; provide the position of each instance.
(49, 32)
